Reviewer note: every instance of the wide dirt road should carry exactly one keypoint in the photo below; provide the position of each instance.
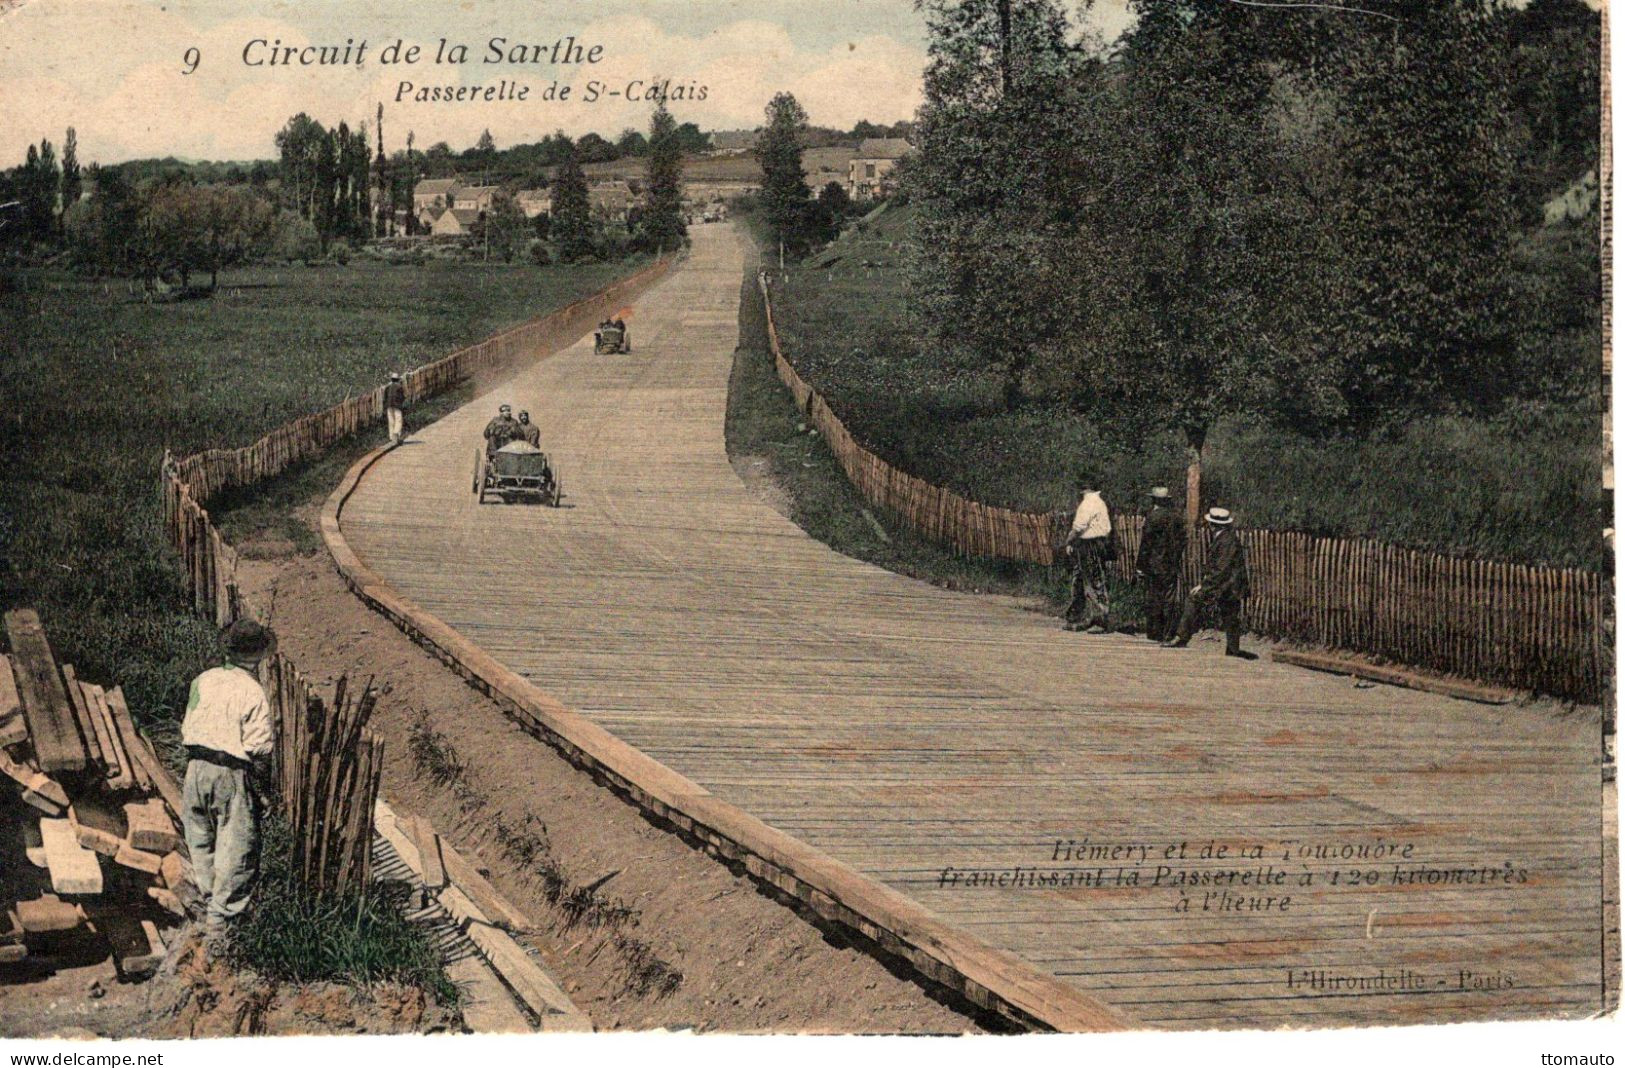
(1195, 840)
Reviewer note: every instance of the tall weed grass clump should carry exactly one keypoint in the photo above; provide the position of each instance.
(293, 935)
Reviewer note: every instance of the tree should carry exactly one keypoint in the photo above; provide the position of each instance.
(299, 148)
(994, 183)
(38, 187)
(72, 180)
(504, 228)
(571, 226)
(1426, 211)
(662, 221)
(632, 143)
(785, 194)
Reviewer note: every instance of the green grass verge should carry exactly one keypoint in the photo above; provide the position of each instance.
(769, 436)
(291, 935)
(97, 384)
(1524, 485)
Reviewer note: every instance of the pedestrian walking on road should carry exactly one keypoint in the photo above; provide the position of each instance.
(228, 735)
(1224, 586)
(1090, 547)
(1162, 554)
(394, 406)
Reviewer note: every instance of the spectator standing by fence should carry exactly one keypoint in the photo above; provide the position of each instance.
(1090, 548)
(228, 736)
(1162, 553)
(394, 405)
(1224, 586)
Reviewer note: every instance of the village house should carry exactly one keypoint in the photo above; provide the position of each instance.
(869, 174)
(456, 222)
(534, 202)
(610, 200)
(430, 197)
(475, 197)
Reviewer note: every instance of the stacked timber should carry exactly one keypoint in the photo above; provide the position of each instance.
(94, 810)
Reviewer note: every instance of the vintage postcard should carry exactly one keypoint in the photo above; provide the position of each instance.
(926, 517)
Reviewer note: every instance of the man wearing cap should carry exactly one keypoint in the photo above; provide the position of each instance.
(394, 402)
(1090, 547)
(228, 736)
(501, 430)
(1224, 584)
(1162, 553)
(529, 431)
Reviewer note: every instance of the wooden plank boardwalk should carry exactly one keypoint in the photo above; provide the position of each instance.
(951, 746)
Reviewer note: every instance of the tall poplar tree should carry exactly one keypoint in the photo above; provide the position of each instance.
(785, 194)
(663, 226)
(571, 226)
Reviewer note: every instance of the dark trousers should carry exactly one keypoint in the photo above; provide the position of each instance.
(1199, 604)
(1091, 598)
(1161, 606)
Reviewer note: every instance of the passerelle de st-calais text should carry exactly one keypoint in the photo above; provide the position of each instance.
(638, 90)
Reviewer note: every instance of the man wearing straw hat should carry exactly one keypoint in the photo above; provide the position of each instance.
(228, 736)
(394, 403)
(1224, 584)
(1162, 552)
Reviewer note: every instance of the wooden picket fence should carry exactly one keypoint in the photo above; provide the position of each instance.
(328, 762)
(1533, 628)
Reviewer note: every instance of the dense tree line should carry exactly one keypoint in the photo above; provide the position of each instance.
(1318, 217)
(327, 177)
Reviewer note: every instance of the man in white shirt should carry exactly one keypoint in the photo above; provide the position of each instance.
(1090, 548)
(228, 736)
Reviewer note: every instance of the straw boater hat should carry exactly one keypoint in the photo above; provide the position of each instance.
(394, 376)
(1159, 493)
(1219, 517)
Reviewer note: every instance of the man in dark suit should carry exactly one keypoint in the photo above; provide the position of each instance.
(1162, 553)
(1224, 585)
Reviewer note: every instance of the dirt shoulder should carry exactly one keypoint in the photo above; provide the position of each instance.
(641, 928)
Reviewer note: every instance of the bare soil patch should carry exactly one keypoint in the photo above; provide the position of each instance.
(643, 929)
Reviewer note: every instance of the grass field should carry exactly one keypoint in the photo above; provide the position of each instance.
(97, 385)
(1524, 486)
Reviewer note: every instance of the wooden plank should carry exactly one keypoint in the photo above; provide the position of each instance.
(52, 729)
(34, 844)
(89, 729)
(1396, 676)
(128, 738)
(13, 724)
(516, 967)
(432, 869)
(124, 778)
(138, 949)
(168, 900)
(74, 869)
(138, 859)
(162, 780)
(176, 872)
(150, 826)
(98, 825)
(48, 913)
(39, 789)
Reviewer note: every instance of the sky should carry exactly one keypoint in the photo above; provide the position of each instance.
(115, 69)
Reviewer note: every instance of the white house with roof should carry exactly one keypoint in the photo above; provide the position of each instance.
(869, 173)
(431, 196)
